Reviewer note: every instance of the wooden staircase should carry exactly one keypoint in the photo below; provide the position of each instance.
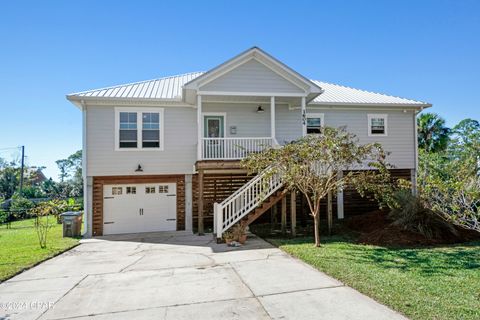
(266, 205)
(249, 202)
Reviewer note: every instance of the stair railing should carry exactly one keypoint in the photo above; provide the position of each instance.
(244, 200)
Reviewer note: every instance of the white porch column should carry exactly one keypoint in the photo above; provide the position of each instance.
(340, 214)
(304, 117)
(199, 127)
(272, 117)
(188, 202)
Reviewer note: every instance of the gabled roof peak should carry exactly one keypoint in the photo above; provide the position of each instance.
(263, 57)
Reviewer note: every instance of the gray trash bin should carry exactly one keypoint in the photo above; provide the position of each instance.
(72, 223)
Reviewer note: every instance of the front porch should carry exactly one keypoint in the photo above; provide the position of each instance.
(236, 126)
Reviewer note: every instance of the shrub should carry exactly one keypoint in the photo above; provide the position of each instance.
(4, 216)
(411, 214)
(20, 206)
(43, 224)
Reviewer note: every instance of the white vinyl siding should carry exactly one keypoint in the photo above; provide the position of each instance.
(400, 141)
(288, 124)
(252, 76)
(178, 155)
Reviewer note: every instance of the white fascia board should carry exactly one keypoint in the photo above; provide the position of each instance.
(253, 94)
(375, 105)
(129, 101)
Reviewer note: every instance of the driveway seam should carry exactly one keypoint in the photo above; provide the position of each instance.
(130, 264)
(157, 307)
(63, 295)
(299, 290)
(250, 289)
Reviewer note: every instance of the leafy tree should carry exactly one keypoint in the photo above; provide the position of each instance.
(311, 164)
(63, 166)
(450, 187)
(465, 144)
(32, 192)
(432, 133)
(71, 179)
(9, 180)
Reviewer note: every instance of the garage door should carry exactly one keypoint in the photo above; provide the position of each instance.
(131, 208)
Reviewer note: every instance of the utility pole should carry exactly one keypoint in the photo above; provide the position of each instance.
(21, 171)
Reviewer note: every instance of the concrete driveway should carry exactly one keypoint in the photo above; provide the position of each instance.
(180, 276)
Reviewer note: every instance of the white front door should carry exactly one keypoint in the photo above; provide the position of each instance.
(132, 208)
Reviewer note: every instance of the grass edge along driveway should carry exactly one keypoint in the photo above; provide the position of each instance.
(20, 250)
(422, 283)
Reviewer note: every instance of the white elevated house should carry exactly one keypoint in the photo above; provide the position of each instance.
(164, 154)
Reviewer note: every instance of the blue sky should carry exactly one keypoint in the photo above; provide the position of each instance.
(425, 50)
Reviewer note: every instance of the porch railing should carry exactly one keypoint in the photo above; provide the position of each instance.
(233, 148)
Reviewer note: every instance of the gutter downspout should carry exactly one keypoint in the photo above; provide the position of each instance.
(86, 196)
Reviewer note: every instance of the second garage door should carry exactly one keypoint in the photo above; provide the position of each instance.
(132, 208)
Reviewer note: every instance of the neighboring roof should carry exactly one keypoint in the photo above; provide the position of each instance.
(170, 88)
(35, 174)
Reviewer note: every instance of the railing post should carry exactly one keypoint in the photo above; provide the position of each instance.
(215, 208)
(218, 219)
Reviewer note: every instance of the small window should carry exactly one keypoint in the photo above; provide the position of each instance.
(131, 190)
(314, 123)
(117, 191)
(377, 124)
(163, 189)
(149, 189)
(128, 130)
(150, 130)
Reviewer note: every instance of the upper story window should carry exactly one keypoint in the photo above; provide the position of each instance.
(314, 123)
(377, 124)
(138, 129)
(128, 130)
(150, 130)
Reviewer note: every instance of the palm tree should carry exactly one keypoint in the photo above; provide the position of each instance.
(433, 135)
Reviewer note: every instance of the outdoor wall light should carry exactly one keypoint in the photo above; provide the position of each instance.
(260, 109)
(139, 169)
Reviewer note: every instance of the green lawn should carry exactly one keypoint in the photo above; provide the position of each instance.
(423, 283)
(19, 248)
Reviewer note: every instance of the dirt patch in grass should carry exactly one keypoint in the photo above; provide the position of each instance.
(376, 228)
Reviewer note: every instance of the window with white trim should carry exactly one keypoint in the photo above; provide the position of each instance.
(377, 124)
(139, 129)
(314, 123)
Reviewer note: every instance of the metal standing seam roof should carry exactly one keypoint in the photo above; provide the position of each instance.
(170, 88)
